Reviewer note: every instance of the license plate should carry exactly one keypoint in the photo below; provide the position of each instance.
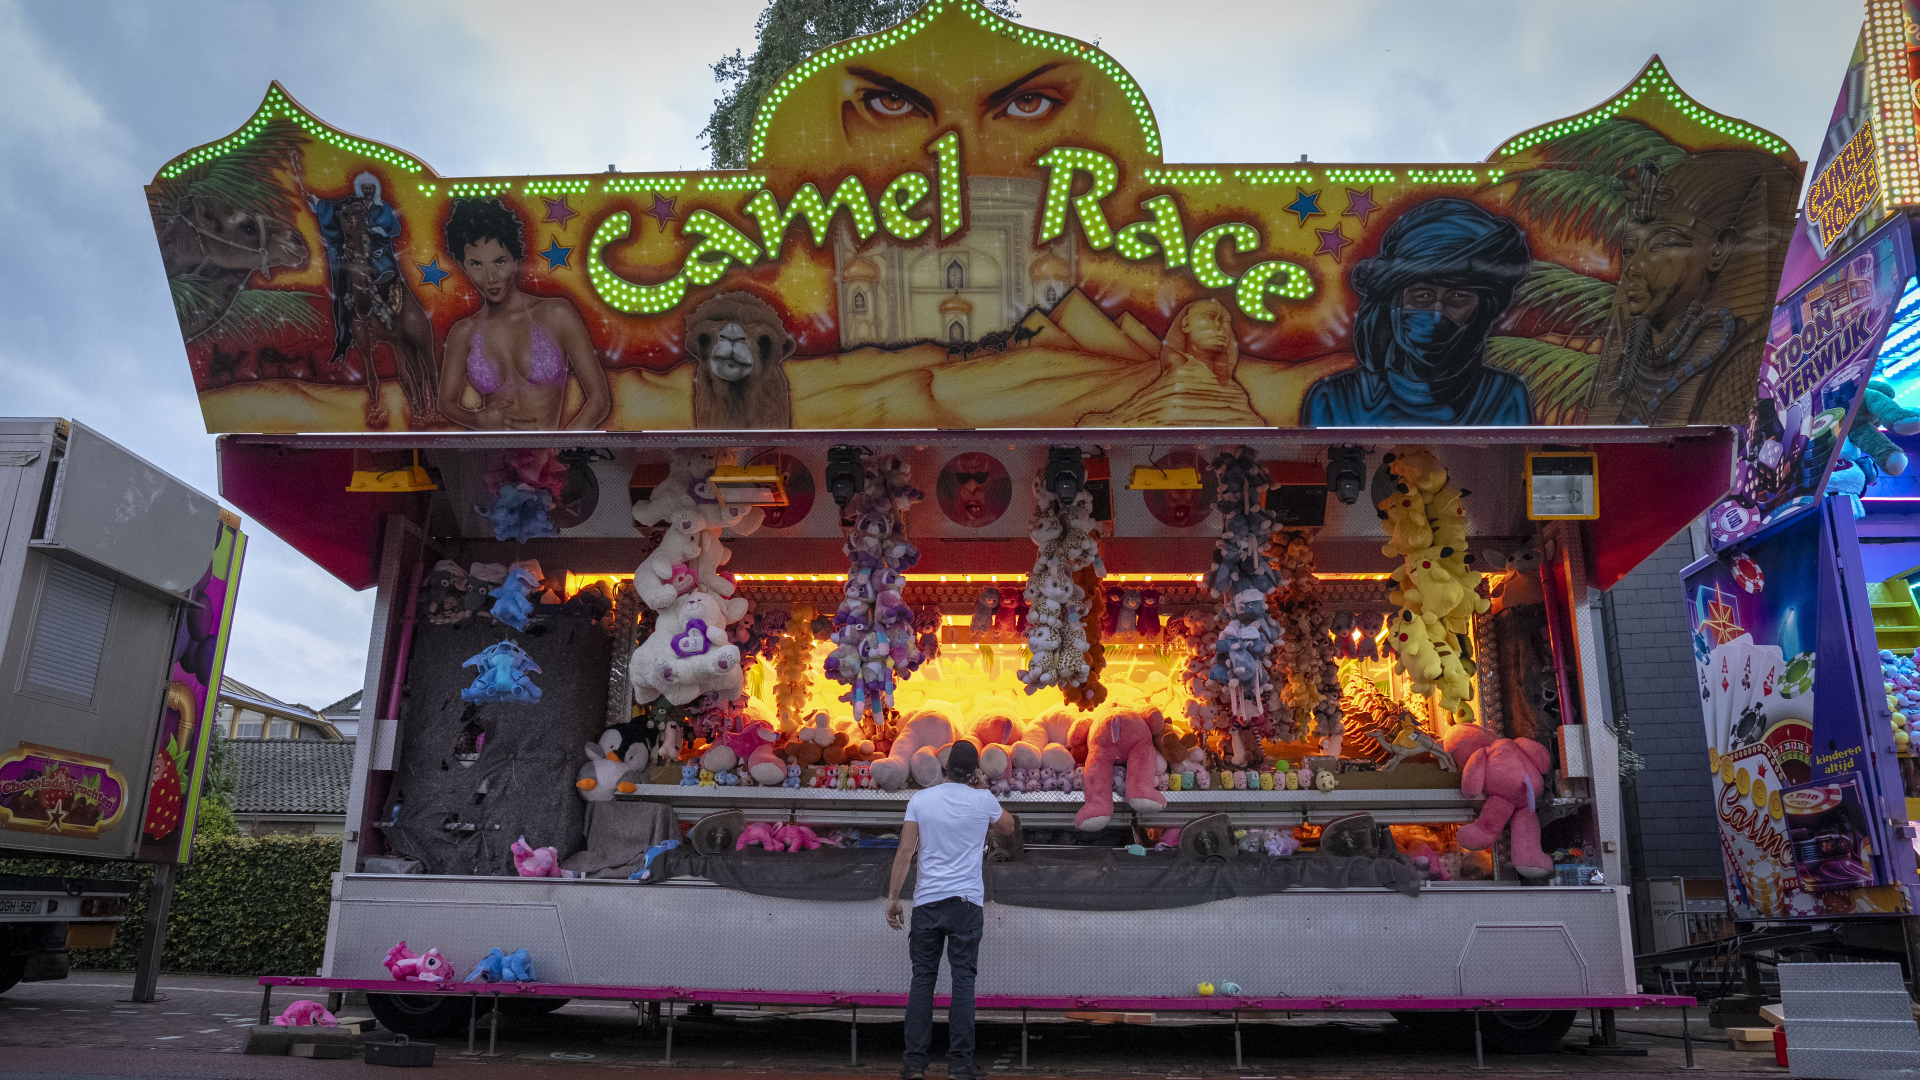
(20, 907)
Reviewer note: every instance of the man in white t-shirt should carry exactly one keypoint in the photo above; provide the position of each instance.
(947, 827)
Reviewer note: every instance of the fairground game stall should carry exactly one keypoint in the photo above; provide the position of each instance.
(1251, 519)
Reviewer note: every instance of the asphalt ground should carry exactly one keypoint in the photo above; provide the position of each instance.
(84, 1027)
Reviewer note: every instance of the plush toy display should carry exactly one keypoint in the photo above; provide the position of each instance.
(1438, 595)
(1234, 691)
(795, 838)
(304, 1013)
(875, 631)
(514, 596)
(503, 677)
(524, 486)
(1068, 539)
(1510, 774)
(429, 966)
(750, 744)
(793, 669)
(1046, 742)
(1304, 665)
(1119, 735)
(1880, 409)
(916, 749)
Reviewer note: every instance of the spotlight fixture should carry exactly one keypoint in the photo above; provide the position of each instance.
(1066, 473)
(845, 475)
(1346, 472)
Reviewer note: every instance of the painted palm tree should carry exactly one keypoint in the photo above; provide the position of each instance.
(220, 222)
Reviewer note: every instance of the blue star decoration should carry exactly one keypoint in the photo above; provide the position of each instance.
(431, 274)
(556, 255)
(1305, 205)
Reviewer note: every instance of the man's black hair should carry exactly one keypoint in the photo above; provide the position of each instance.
(477, 220)
(963, 761)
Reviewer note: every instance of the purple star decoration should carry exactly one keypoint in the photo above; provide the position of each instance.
(558, 212)
(1360, 204)
(661, 210)
(1332, 241)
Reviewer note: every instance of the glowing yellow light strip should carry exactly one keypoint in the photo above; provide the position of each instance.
(1896, 146)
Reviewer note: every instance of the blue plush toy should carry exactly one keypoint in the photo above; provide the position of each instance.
(689, 776)
(654, 852)
(793, 777)
(503, 675)
(519, 513)
(513, 597)
(499, 966)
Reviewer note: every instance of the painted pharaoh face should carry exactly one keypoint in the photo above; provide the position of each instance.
(1667, 266)
(1209, 328)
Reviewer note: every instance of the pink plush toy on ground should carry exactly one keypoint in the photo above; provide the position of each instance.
(796, 838)
(429, 966)
(304, 1013)
(757, 833)
(1511, 774)
(1120, 736)
(535, 862)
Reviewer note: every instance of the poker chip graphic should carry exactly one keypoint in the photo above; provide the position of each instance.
(1747, 573)
(1798, 678)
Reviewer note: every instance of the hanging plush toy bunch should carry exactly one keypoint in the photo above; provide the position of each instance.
(1068, 539)
(525, 485)
(1303, 666)
(874, 630)
(690, 651)
(1240, 579)
(792, 673)
(1438, 596)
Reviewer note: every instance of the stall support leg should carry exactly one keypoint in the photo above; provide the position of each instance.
(493, 1028)
(337, 1002)
(1237, 1061)
(667, 1058)
(853, 1030)
(1609, 1034)
(1479, 1050)
(1686, 1038)
(473, 1020)
(1023, 1038)
(266, 1004)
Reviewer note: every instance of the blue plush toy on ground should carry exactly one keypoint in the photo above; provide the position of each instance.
(503, 676)
(654, 852)
(513, 597)
(499, 966)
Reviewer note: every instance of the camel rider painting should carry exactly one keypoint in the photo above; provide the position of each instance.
(1443, 276)
(380, 231)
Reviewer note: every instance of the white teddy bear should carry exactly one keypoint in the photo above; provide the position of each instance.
(916, 751)
(687, 655)
(671, 569)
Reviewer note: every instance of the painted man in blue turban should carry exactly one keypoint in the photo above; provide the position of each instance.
(1443, 276)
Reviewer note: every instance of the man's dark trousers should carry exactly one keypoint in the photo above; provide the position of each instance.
(953, 924)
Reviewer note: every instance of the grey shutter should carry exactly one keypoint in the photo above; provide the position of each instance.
(69, 635)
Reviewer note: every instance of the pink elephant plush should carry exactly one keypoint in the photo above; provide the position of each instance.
(759, 832)
(531, 861)
(1511, 774)
(1119, 735)
(304, 1013)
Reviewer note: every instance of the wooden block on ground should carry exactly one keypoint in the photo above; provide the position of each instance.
(323, 1051)
(1112, 1017)
(1772, 1014)
(276, 1041)
(359, 1025)
(1752, 1039)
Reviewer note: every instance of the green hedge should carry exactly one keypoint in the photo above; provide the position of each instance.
(244, 906)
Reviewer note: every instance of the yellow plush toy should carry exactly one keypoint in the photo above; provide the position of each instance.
(1410, 639)
(1406, 517)
(1418, 469)
(1431, 589)
(1447, 515)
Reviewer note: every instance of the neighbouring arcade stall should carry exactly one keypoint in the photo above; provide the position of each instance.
(1251, 519)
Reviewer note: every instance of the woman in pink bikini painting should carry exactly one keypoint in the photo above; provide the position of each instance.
(516, 351)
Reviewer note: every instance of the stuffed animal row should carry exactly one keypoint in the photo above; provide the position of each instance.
(1438, 596)
(875, 633)
(523, 486)
(998, 615)
(1241, 578)
(1304, 666)
(1131, 615)
(793, 672)
(1057, 603)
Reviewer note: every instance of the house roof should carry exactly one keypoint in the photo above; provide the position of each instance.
(346, 708)
(234, 690)
(284, 776)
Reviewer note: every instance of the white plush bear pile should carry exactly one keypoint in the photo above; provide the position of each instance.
(687, 655)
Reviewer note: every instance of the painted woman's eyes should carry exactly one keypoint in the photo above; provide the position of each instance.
(1030, 106)
(889, 104)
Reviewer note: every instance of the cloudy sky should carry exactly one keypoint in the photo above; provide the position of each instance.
(95, 96)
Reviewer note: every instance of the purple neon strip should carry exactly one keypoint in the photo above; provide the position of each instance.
(1217, 1003)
